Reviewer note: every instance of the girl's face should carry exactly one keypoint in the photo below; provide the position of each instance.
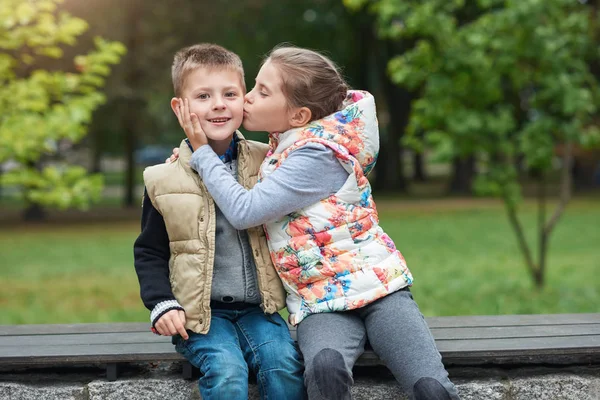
(266, 107)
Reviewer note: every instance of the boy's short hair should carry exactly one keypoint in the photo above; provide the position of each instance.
(203, 55)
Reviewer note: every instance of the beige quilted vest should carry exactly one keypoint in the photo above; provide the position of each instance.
(179, 195)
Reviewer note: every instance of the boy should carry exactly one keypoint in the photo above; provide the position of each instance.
(210, 286)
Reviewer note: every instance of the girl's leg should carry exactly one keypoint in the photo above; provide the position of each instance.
(272, 354)
(400, 336)
(219, 357)
(330, 344)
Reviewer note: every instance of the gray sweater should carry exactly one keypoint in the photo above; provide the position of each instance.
(234, 272)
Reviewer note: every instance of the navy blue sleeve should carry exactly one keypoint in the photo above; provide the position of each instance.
(151, 255)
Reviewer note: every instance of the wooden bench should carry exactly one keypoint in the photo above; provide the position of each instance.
(567, 339)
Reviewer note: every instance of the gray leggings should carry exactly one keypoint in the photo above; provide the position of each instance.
(332, 342)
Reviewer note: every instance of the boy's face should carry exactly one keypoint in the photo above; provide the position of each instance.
(266, 105)
(216, 96)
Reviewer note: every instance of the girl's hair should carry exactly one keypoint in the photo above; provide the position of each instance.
(309, 80)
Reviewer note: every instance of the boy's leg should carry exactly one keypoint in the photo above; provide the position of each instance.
(330, 344)
(219, 357)
(400, 336)
(272, 354)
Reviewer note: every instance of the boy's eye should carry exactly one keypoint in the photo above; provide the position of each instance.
(230, 94)
(203, 96)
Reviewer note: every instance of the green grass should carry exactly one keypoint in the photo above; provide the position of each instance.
(463, 255)
(467, 262)
(63, 274)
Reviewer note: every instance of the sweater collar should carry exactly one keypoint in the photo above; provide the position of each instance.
(231, 152)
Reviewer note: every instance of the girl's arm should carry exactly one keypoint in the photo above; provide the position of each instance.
(308, 175)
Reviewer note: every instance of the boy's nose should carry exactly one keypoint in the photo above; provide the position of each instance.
(219, 104)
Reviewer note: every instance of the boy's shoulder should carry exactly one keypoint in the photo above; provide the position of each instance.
(159, 172)
(168, 173)
(253, 146)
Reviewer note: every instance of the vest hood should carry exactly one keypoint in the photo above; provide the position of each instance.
(354, 128)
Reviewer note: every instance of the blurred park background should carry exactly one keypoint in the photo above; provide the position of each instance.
(488, 177)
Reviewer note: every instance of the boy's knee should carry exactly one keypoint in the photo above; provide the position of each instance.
(223, 366)
(430, 389)
(329, 375)
(277, 355)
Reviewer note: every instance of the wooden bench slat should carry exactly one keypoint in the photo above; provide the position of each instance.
(58, 329)
(511, 320)
(466, 340)
(88, 338)
(453, 351)
(433, 322)
(566, 331)
(91, 353)
(163, 347)
(521, 344)
(528, 331)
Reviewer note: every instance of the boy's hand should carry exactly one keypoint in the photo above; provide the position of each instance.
(172, 323)
(174, 156)
(190, 124)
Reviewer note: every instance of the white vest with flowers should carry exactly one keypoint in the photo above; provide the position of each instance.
(333, 255)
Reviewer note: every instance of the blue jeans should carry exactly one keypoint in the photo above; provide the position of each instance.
(240, 341)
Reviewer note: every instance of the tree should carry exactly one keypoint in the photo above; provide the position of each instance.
(499, 81)
(45, 109)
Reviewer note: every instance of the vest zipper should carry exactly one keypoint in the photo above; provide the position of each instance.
(242, 180)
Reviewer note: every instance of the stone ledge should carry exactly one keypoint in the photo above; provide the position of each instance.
(161, 382)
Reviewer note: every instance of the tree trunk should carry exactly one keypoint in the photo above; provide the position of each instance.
(96, 145)
(390, 171)
(419, 168)
(130, 128)
(33, 212)
(132, 116)
(463, 174)
(584, 171)
(543, 237)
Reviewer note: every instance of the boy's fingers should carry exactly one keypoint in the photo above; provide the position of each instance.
(182, 319)
(171, 327)
(160, 328)
(179, 325)
(182, 316)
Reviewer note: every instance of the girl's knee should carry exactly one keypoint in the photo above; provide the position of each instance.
(327, 375)
(431, 389)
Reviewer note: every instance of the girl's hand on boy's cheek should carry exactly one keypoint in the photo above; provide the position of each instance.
(190, 124)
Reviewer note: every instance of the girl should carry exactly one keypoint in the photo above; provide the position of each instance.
(346, 281)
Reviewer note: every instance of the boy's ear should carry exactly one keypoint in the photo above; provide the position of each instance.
(174, 104)
(300, 117)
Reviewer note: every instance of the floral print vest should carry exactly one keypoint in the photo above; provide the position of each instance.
(333, 255)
